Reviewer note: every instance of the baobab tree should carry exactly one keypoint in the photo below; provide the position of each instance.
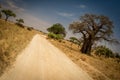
(92, 28)
(8, 13)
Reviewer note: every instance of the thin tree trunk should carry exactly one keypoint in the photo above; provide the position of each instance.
(6, 18)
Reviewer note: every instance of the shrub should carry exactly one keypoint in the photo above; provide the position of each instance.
(117, 55)
(59, 36)
(20, 21)
(51, 35)
(30, 28)
(55, 36)
(20, 25)
(104, 51)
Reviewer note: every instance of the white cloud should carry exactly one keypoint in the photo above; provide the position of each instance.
(82, 6)
(65, 14)
(10, 4)
(30, 20)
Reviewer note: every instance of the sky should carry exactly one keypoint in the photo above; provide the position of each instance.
(42, 14)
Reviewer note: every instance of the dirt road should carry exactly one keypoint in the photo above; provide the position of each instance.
(43, 61)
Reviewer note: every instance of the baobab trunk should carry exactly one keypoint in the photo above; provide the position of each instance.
(86, 47)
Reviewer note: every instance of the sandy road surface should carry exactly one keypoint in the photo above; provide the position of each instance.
(43, 61)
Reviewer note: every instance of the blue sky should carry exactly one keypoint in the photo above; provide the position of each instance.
(43, 13)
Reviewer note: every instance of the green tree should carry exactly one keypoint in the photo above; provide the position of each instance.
(104, 51)
(55, 36)
(75, 40)
(8, 13)
(57, 29)
(20, 21)
(92, 28)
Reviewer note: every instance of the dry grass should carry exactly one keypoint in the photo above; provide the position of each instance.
(98, 68)
(13, 39)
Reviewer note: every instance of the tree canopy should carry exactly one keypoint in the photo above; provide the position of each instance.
(8, 13)
(20, 21)
(92, 28)
(75, 40)
(57, 29)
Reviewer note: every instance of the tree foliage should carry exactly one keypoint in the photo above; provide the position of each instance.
(55, 36)
(57, 29)
(75, 40)
(104, 51)
(20, 22)
(8, 13)
(92, 28)
(117, 55)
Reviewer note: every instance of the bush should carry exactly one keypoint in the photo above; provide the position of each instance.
(117, 55)
(104, 51)
(55, 36)
(20, 25)
(59, 36)
(30, 28)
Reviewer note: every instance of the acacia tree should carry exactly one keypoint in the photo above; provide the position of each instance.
(92, 28)
(20, 21)
(75, 40)
(8, 13)
(57, 29)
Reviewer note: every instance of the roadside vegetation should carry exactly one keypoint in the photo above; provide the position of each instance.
(20, 22)
(104, 51)
(98, 67)
(93, 28)
(8, 13)
(56, 31)
(100, 63)
(13, 38)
